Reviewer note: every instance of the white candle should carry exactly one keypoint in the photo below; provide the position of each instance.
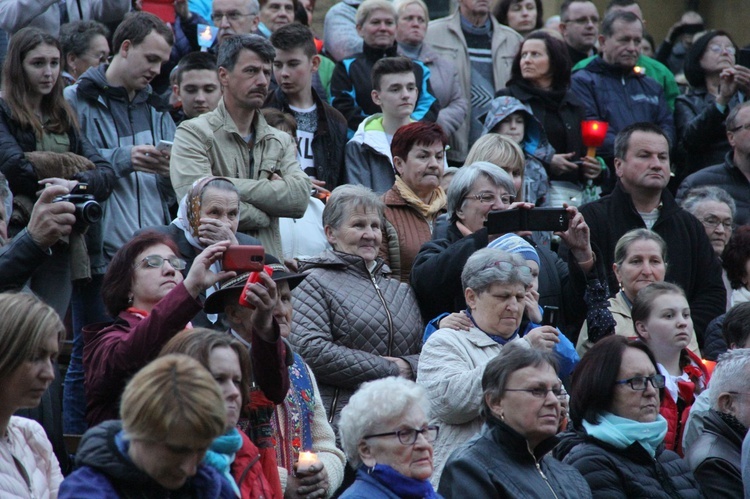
(306, 459)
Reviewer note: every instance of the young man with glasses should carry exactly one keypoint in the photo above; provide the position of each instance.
(579, 25)
(733, 175)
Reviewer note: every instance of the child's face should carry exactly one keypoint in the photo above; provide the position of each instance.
(513, 127)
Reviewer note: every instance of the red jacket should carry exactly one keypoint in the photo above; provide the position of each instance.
(247, 471)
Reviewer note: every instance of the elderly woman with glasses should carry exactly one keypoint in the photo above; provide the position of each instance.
(452, 361)
(387, 438)
(509, 457)
(476, 190)
(617, 436)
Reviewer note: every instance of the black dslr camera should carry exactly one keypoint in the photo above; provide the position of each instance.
(88, 210)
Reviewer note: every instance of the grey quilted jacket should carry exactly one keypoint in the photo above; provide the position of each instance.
(346, 320)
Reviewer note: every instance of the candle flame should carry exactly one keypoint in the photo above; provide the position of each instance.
(206, 35)
(595, 126)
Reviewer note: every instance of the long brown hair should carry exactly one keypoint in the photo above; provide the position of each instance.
(15, 85)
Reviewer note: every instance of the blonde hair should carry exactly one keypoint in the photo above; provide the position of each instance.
(366, 9)
(401, 5)
(173, 395)
(26, 323)
(501, 151)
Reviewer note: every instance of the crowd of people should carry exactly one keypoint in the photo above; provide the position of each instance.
(241, 259)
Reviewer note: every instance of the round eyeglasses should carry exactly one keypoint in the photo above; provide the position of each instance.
(409, 435)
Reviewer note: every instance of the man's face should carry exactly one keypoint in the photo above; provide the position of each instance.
(234, 17)
(397, 95)
(143, 61)
(581, 26)
(646, 164)
(199, 92)
(277, 13)
(246, 86)
(293, 70)
(739, 136)
(624, 46)
(475, 8)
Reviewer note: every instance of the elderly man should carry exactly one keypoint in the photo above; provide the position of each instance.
(579, 25)
(715, 457)
(235, 17)
(483, 50)
(234, 141)
(612, 88)
(733, 175)
(640, 199)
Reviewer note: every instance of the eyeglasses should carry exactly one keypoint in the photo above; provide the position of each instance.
(488, 197)
(640, 382)
(157, 262)
(583, 20)
(718, 49)
(409, 436)
(508, 266)
(746, 126)
(714, 222)
(232, 17)
(541, 393)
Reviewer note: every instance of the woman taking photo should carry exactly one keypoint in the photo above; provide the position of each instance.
(661, 315)
(640, 259)
(416, 199)
(29, 336)
(353, 322)
(387, 437)
(521, 407)
(540, 78)
(617, 441)
(452, 360)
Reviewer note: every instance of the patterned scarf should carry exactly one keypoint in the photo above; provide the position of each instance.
(437, 199)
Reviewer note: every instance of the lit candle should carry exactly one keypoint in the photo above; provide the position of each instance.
(206, 36)
(593, 133)
(306, 459)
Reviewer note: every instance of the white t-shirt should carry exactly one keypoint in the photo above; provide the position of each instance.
(307, 125)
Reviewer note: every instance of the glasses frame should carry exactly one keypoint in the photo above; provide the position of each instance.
(480, 197)
(655, 379)
(713, 225)
(400, 434)
(232, 17)
(721, 48)
(537, 392)
(176, 262)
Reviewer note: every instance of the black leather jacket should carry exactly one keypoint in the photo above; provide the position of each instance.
(716, 458)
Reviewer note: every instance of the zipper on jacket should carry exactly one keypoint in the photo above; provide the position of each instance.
(387, 313)
(334, 403)
(539, 469)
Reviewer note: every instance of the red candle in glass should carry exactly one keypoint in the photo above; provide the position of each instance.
(593, 133)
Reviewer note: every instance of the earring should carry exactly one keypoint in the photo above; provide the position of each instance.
(130, 300)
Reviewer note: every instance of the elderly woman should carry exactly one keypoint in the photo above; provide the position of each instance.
(540, 79)
(84, 44)
(452, 361)
(144, 290)
(388, 440)
(29, 335)
(412, 17)
(172, 410)
(416, 198)
(354, 323)
(715, 85)
(523, 16)
(617, 437)
(476, 190)
(521, 407)
(351, 84)
(640, 259)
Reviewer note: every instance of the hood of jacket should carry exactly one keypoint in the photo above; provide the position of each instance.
(370, 133)
(504, 106)
(93, 84)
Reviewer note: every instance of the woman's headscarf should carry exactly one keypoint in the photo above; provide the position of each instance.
(189, 211)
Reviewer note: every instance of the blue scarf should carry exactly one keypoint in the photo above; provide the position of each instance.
(220, 455)
(497, 339)
(403, 486)
(622, 432)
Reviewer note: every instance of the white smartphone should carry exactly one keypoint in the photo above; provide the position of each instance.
(164, 146)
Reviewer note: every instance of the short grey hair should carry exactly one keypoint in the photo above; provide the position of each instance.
(698, 195)
(345, 199)
(230, 49)
(627, 17)
(732, 374)
(731, 122)
(4, 190)
(401, 5)
(463, 182)
(366, 9)
(481, 270)
(375, 403)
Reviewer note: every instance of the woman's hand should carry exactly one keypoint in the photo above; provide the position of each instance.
(543, 337)
(591, 167)
(561, 164)
(404, 369)
(212, 230)
(578, 239)
(310, 483)
(200, 276)
(263, 296)
(531, 304)
(457, 320)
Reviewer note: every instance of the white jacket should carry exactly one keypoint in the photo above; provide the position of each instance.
(45, 14)
(28, 444)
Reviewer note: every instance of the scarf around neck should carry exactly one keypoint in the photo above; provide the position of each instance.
(403, 486)
(220, 455)
(437, 200)
(622, 432)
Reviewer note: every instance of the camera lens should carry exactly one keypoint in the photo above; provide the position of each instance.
(90, 212)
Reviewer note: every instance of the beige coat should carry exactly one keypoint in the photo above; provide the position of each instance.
(447, 39)
(211, 145)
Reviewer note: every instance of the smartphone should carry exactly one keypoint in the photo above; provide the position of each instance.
(164, 146)
(549, 316)
(743, 58)
(520, 219)
(252, 279)
(244, 258)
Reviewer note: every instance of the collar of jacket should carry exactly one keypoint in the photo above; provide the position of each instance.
(599, 65)
(375, 54)
(278, 98)
(635, 451)
(516, 444)
(716, 425)
(93, 84)
(668, 205)
(338, 260)
(221, 117)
